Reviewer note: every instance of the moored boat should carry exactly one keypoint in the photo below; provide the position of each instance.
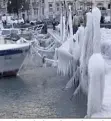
(12, 57)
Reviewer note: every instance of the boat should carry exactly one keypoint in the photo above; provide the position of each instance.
(12, 56)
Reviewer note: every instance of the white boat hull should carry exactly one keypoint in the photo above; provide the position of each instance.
(11, 60)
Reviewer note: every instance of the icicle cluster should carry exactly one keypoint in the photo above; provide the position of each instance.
(65, 62)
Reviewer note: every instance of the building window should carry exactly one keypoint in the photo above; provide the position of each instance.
(42, 10)
(4, 2)
(35, 12)
(58, 7)
(100, 6)
(42, 1)
(70, 3)
(108, 6)
(50, 7)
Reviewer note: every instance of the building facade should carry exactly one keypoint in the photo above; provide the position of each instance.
(41, 9)
(3, 7)
(103, 4)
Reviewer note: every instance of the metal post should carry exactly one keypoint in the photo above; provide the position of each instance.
(110, 10)
(17, 9)
(75, 7)
(7, 3)
(6, 10)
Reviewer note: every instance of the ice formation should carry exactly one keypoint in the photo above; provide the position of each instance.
(83, 46)
(96, 71)
(105, 112)
(70, 30)
(96, 84)
(87, 51)
(80, 33)
(96, 29)
(64, 53)
(69, 53)
(91, 44)
(62, 28)
(78, 38)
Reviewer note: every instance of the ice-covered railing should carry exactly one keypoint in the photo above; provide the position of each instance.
(98, 105)
(93, 72)
(62, 54)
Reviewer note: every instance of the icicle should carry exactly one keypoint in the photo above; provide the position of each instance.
(61, 26)
(70, 30)
(64, 29)
(70, 22)
(71, 83)
(64, 62)
(77, 79)
(96, 70)
(81, 34)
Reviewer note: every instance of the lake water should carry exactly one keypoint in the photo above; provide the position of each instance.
(37, 93)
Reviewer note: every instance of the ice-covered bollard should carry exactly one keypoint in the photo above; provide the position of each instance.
(96, 71)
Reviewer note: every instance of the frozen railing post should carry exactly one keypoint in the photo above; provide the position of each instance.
(96, 84)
